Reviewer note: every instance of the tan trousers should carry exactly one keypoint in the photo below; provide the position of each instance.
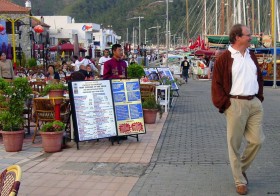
(244, 118)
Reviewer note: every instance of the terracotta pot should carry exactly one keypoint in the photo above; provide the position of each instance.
(56, 93)
(52, 141)
(150, 116)
(13, 140)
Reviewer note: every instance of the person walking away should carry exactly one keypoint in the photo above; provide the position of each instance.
(102, 60)
(237, 91)
(6, 68)
(185, 65)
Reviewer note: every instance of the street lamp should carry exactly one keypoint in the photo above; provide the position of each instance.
(139, 18)
(157, 27)
(167, 28)
(13, 21)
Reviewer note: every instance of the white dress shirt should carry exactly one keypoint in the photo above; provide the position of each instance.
(244, 74)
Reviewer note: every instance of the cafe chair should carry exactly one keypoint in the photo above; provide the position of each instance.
(10, 180)
(38, 86)
(147, 90)
(45, 112)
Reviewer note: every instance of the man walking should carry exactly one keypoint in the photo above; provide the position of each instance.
(185, 65)
(237, 91)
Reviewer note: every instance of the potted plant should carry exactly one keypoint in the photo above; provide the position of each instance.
(135, 71)
(54, 87)
(13, 96)
(52, 133)
(150, 109)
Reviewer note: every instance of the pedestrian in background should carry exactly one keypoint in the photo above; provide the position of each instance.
(237, 91)
(102, 60)
(185, 65)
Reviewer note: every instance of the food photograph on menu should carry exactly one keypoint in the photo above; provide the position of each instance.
(128, 106)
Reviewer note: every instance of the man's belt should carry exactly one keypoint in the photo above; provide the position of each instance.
(249, 97)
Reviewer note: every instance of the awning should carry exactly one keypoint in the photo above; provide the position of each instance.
(224, 39)
(66, 47)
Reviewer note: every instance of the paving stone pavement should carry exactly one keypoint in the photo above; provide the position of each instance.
(191, 157)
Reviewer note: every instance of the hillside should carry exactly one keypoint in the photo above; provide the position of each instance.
(116, 13)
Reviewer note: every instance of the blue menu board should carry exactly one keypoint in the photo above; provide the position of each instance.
(128, 106)
(165, 72)
(151, 73)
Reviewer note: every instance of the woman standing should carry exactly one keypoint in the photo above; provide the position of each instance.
(6, 67)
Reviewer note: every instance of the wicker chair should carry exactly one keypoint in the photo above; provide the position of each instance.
(10, 181)
(147, 90)
(45, 112)
(38, 86)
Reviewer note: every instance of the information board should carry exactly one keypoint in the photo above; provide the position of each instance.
(151, 73)
(92, 109)
(165, 72)
(128, 106)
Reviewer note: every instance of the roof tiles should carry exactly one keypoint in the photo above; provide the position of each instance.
(8, 7)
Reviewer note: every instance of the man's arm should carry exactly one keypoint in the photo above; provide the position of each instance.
(107, 71)
(220, 97)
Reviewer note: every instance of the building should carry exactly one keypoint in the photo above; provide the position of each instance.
(19, 32)
(91, 36)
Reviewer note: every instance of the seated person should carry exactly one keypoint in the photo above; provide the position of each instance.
(89, 75)
(83, 70)
(52, 74)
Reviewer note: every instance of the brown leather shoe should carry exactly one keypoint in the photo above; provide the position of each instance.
(245, 176)
(242, 189)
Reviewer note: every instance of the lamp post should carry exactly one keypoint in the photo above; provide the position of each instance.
(139, 18)
(157, 27)
(13, 21)
(167, 28)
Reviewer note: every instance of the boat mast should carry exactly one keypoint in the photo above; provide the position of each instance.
(222, 19)
(239, 11)
(187, 22)
(253, 17)
(259, 18)
(205, 21)
(273, 33)
(216, 16)
(244, 13)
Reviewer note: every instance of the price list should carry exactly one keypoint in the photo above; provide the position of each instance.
(94, 109)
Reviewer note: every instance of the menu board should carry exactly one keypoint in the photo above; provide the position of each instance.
(165, 72)
(92, 109)
(128, 106)
(151, 73)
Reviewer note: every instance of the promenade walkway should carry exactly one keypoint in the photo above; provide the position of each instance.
(191, 157)
(184, 154)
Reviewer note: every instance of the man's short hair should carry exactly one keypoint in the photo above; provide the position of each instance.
(115, 46)
(236, 30)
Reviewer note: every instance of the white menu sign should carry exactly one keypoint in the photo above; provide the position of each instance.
(94, 110)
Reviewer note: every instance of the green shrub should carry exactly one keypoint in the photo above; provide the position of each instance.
(32, 62)
(54, 126)
(135, 71)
